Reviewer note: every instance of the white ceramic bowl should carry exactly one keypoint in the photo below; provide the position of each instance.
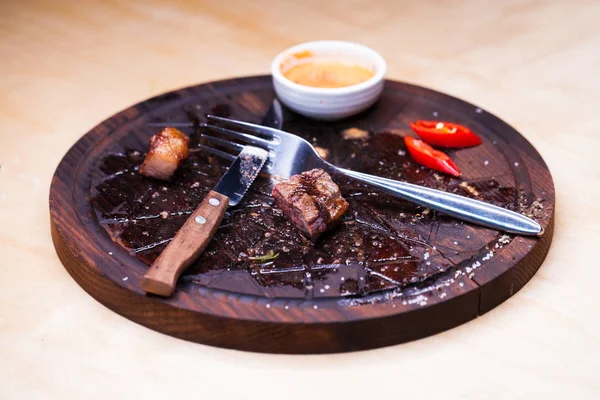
(328, 103)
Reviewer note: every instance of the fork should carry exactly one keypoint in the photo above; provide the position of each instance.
(290, 155)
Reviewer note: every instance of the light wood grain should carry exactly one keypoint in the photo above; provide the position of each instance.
(68, 65)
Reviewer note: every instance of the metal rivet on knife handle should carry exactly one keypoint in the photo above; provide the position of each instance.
(196, 233)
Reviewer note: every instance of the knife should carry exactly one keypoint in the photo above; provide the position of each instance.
(197, 232)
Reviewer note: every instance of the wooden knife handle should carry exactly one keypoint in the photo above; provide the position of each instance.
(187, 245)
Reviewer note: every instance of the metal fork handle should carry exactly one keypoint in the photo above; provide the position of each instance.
(460, 207)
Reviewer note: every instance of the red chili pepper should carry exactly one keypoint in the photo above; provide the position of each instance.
(445, 134)
(426, 155)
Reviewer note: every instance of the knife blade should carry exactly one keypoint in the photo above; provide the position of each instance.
(197, 232)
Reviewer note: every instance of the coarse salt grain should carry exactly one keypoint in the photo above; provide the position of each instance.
(125, 278)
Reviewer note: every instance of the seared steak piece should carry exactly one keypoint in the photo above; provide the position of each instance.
(311, 200)
(167, 151)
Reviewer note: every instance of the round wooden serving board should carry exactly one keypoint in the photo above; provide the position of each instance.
(390, 272)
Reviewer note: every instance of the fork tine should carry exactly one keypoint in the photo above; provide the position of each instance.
(268, 132)
(217, 153)
(236, 147)
(244, 137)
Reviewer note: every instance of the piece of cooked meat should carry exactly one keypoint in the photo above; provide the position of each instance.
(311, 200)
(167, 151)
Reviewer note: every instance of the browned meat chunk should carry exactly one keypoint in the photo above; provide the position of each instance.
(167, 151)
(311, 200)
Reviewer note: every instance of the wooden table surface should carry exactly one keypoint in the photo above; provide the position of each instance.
(66, 66)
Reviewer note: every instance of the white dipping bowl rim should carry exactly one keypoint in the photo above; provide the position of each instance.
(329, 103)
(380, 67)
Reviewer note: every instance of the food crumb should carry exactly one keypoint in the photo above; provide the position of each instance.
(164, 214)
(322, 152)
(469, 188)
(125, 278)
(488, 256)
(195, 184)
(355, 134)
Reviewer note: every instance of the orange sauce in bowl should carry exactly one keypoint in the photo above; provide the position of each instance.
(328, 74)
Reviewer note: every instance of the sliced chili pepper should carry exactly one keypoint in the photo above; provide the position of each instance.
(426, 155)
(445, 134)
